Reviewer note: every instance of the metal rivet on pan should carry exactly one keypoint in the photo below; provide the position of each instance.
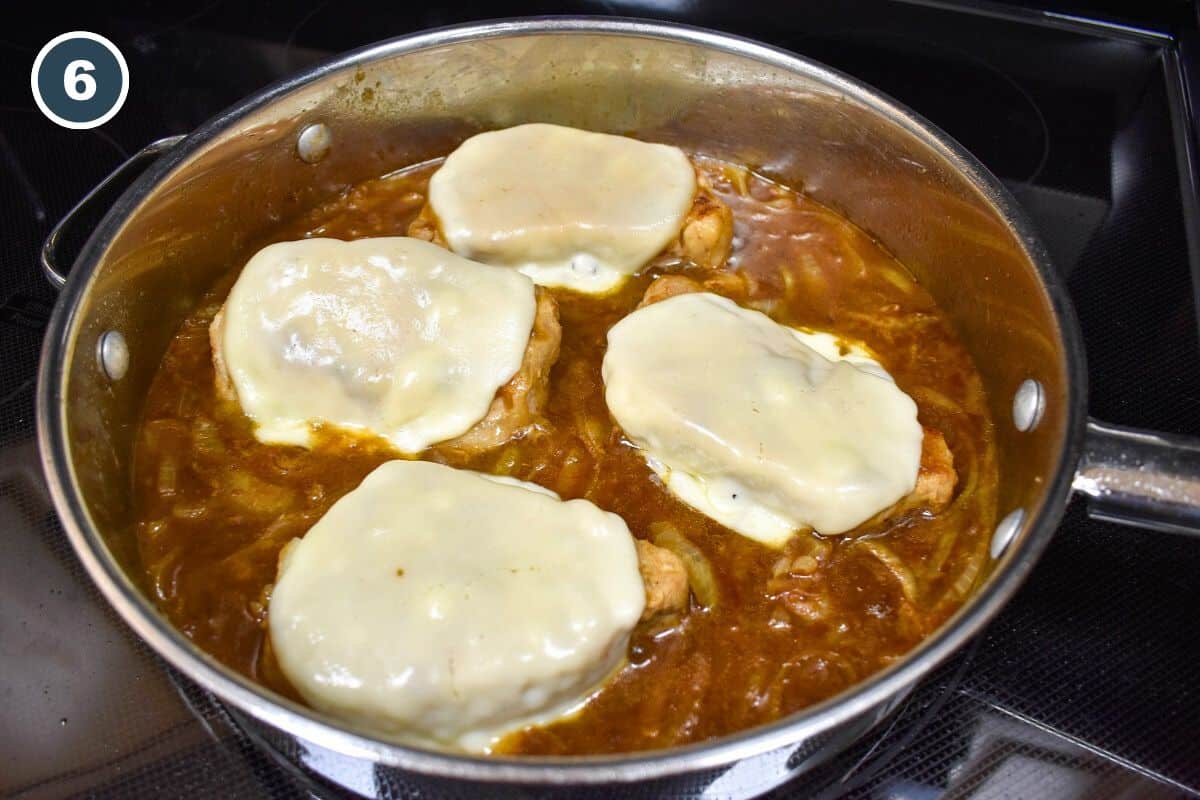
(113, 355)
(314, 142)
(1028, 404)
(1005, 531)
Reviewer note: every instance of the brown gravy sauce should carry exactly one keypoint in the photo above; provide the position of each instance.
(792, 627)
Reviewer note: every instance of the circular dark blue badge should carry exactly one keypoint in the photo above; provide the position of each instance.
(80, 80)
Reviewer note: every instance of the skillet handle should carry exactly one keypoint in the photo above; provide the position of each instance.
(50, 257)
(1141, 478)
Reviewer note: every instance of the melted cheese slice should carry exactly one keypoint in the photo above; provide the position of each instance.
(564, 206)
(391, 335)
(447, 605)
(760, 427)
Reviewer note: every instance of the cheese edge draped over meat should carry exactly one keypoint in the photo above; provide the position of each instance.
(450, 606)
(390, 335)
(761, 427)
(566, 207)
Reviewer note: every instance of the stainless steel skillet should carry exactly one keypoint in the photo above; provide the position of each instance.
(206, 195)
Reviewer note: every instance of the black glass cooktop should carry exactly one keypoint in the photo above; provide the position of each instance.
(1086, 686)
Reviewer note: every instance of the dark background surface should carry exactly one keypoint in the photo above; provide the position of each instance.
(1085, 686)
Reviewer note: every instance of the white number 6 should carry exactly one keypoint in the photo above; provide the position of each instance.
(77, 83)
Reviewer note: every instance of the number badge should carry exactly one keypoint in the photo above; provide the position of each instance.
(80, 80)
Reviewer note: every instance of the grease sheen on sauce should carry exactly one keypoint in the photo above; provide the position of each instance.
(792, 627)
